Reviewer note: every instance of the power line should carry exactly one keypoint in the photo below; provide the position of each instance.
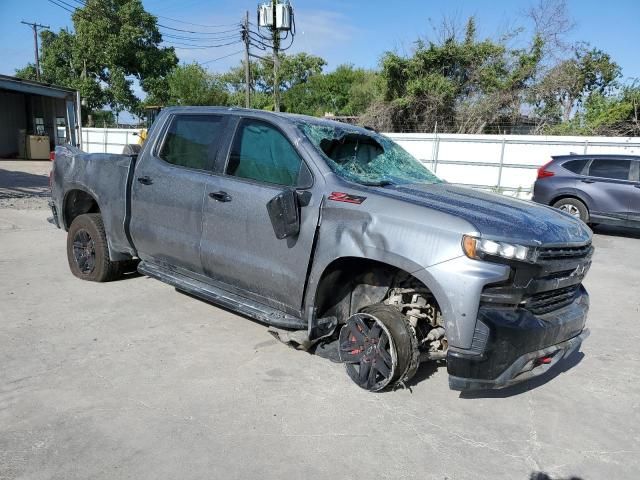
(187, 31)
(194, 24)
(61, 6)
(72, 9)
(220, 58)
(196, 43)
(188, 46)
(215, 37)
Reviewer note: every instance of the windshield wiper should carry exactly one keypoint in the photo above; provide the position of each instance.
(381, 183)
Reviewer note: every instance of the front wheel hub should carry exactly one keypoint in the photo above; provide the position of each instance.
(368, 352)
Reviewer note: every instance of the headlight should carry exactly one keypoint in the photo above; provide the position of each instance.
(479, 248)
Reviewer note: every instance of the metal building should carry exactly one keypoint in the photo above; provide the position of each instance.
(33, 111)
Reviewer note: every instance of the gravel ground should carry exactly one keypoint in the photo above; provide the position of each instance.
(131, 379)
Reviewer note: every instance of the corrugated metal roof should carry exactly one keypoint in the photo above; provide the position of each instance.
(37, 88)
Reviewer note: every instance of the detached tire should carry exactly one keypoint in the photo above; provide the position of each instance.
(87, 250)
(378, 348)
(573, 207)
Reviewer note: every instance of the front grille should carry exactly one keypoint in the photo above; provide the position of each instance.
(559, 253)
(546, 302)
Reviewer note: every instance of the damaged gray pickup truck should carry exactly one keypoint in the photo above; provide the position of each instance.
(333, 235)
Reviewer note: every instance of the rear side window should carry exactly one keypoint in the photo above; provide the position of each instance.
(260, 152)
(192, 141)
(574, 166)
(615, 169)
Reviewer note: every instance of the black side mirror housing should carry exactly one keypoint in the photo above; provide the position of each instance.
(284, 212)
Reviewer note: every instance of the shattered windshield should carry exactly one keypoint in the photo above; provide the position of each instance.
(365, 157)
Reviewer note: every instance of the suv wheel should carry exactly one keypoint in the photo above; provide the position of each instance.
(573, 207)
(87, 251)
(378, 348)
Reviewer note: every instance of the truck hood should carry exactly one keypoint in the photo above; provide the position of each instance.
(496, 216)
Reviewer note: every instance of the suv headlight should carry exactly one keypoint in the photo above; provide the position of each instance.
(479, 248)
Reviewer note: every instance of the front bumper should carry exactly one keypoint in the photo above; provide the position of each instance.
(513, 345)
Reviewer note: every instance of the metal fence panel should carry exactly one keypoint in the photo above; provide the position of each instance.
(505, 163)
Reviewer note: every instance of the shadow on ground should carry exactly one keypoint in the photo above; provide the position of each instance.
(544, 476)
(617, 231)
(15, 184)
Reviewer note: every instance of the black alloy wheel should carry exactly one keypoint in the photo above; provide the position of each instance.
(368, 352)
(84, 251)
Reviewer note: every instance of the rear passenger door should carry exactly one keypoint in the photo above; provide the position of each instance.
(608, 185)
(168, 189)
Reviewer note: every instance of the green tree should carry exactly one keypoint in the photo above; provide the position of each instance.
(608, 115)
(115, 42)
(294, 70)
(458, 84)
(568, 85)
(345, 91)
(191, 84)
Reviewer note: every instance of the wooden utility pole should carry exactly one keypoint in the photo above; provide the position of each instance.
(276, 59)
(35, 27)
(247, 72)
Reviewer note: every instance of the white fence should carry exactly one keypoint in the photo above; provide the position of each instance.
(506, 163)
(107, 140)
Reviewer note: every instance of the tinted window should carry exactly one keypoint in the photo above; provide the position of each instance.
(260, 152)
(191, 141)
(575, 166)
(617, 169)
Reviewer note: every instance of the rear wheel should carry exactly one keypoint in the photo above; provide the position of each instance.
(573, 207)
(378, 348)
(87, 250)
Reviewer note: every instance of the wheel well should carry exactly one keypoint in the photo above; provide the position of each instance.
(78, 202)
(348, 284)
(574, 197)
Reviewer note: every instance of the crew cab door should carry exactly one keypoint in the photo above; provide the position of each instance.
(239, 243)
(608, 184)
(168, 189)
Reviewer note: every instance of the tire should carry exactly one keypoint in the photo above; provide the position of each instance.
(87, 250)
(573, 207)
(379, 348)
(131, 149)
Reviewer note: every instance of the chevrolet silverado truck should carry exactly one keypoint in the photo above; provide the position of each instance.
(333, 234)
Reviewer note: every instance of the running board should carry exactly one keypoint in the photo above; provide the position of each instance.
(205, 291)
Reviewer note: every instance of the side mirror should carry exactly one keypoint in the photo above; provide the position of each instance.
(284, 214)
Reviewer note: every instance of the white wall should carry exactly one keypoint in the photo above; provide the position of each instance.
(467, 159)
(107, 140)
(464, 158)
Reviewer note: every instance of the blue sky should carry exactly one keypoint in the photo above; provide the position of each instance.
(356, 32)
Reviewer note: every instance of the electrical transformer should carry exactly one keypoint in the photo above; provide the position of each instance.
(283, 16)
(265, 15)
(284, 12)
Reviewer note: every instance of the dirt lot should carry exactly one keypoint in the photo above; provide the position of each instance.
(134, 380)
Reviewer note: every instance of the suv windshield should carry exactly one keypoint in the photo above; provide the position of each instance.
(365, 157)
